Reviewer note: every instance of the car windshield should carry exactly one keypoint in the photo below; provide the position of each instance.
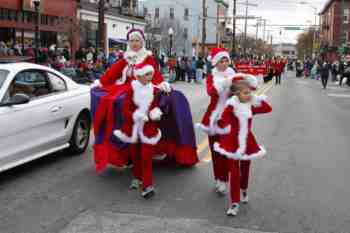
(3, 75)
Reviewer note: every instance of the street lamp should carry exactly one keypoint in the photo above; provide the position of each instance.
(171, 34)
(36, 37)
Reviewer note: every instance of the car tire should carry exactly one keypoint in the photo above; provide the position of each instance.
(81, 134)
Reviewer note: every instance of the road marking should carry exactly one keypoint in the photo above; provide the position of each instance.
(339, 95)
(204, 145)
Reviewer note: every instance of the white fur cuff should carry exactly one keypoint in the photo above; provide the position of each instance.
(257, 99)
(155, 114)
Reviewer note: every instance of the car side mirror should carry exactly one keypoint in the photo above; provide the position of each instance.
(17, 99)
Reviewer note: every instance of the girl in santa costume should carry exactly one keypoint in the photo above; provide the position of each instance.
(218, 88)
(239, 145)
(140, 127)
(122, 71)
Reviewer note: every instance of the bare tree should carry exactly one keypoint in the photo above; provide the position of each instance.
(179, 39)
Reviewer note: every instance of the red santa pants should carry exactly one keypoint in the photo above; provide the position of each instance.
(219, 162)
(239, 178)
(142, 155)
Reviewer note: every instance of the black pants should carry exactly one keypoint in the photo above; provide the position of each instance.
(324, 80)
(278, 79)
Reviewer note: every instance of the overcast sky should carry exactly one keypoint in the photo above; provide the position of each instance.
(280, 12)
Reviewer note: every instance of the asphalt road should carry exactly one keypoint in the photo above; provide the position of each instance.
(299, 187)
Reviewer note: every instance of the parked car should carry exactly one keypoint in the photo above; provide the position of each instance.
(41, 111)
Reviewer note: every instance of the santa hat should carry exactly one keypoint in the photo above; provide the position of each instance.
(135, 32)
(217, 54)
(251, 79)
(142, 69)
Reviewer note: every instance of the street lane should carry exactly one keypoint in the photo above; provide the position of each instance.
(299, 187)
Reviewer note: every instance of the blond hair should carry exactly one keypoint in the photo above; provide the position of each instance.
(239, 86)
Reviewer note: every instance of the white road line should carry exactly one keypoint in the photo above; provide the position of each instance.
(339, 95)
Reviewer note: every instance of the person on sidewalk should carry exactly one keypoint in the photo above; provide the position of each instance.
(240, 145)
(141, 126)
(199, 69)
(218, 88)
(324, 71)
(279, 68)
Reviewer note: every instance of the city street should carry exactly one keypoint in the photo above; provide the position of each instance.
(300, 186)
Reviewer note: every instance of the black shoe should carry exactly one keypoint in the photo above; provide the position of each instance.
(148, 192)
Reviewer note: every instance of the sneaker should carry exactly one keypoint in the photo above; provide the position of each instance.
(244, 196)
(148, 192)
(233, 210)
(135, 184)
(222, 188)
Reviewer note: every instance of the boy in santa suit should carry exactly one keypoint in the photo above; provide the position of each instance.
(140, 127)
(240, 145)
(218, 88)
(122, 72)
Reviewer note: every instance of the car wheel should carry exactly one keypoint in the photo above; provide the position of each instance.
(81, 134)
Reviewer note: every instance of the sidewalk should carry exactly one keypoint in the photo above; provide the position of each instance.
(108, 222)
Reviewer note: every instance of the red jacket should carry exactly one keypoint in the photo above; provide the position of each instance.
(240, 142)
(278, 67)
(218, 92)
(120, 73)
(140, 101)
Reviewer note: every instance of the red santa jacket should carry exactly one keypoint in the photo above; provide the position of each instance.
(218, 91)
(240, 142)
(122, 72)
(141, 115)
(278, 67)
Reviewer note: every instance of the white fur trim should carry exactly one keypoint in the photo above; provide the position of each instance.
(205, 129)
(243, 112)
(134, 58)
(221, 82)
(143, 95)
(238, 156)
(136, 34)
(153, 140)
(144, 70)
(258, 99)
(156, 114)
(223, 131)
(252, 80)
(125, 138)
(219, 56)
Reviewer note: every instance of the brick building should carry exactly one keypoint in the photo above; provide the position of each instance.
(57, 20)
(333, 18)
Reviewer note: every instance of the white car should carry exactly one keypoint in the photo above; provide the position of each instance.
(41, 112)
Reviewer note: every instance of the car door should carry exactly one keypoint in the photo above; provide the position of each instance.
(30, 128)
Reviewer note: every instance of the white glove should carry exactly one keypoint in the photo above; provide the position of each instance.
(139, 116)
(165, 86)
(156, 114)
(95, 84)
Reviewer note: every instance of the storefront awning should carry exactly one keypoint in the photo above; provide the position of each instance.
(113, 41)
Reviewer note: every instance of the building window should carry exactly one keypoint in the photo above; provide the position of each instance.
(186, 14)
(156, 13)
(171, 13)
(185, 33)
(145, 11)
(346, 15)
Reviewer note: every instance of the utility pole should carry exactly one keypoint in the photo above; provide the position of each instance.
(204, 32)
(101, 25)
(217, 26)
(264, 33)
(233, 49)
(247, 4)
